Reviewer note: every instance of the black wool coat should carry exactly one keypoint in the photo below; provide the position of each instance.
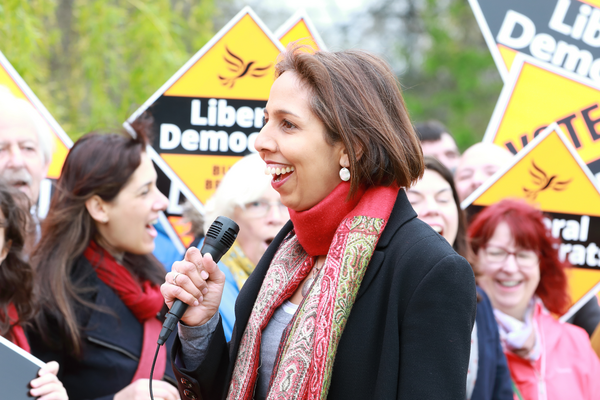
(112, 343)
(409, 332)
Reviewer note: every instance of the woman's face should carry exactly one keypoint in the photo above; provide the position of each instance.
(432, 200)
(259, 223)
(293, 140)
(133, 213)
(509, 283)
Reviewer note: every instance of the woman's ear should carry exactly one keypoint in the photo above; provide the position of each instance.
(344, 161)
(97, 208)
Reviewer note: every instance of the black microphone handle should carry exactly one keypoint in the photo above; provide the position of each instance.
(218, 241)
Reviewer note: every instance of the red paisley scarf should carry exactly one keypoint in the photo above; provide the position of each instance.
(348, 233)
(144, 300)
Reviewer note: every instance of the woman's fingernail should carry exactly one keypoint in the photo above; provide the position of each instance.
(204, 275)
(205, 291)
(196, 303)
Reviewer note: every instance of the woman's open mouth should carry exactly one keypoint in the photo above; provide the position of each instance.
(279, 174)
(150, 229)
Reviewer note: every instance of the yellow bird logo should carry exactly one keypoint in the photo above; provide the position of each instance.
(240, 69)
(544, 182)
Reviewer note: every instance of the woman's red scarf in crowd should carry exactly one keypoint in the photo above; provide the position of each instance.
(16, 332)
(347, 232)
(143, 299)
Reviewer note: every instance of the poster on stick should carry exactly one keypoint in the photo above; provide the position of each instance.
(568, 194)
(537, 94)
(299, 27)
(11, 80)
(207, 115)
(562, 33)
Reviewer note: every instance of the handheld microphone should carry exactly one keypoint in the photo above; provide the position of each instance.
(218, 240)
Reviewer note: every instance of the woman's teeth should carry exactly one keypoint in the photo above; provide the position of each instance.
(278, 171)
(509, 283)
(437, 228)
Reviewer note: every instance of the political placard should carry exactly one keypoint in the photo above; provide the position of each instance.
(10, 79)
(299, 27)
(537, 94)
(563, 33)
(207, 115)
(567, 193)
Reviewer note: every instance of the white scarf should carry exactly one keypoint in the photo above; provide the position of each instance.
(514, 333)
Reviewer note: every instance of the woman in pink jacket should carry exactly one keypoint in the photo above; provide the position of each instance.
(517, 265)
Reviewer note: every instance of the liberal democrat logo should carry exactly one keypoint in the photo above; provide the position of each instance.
(240, 69)
(543, 182)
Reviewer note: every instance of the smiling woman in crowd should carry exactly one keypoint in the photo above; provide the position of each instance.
(98, 281)
(517, 265)
(355, 297)
(435, 199)
(245, 195)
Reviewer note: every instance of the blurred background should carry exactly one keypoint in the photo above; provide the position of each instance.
(92, 63)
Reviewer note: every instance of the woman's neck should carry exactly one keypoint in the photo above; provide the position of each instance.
(117, 254)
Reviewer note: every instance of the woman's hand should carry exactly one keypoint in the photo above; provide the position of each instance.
(140, 390)
(198, 282)
(47, 386)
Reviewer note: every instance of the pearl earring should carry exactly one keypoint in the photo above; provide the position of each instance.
(345, 174)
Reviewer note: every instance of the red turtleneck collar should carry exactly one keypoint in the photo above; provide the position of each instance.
(316, 226)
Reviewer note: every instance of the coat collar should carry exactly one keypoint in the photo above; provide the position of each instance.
(401, 214)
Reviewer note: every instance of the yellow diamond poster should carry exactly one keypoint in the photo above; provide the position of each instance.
(538, 94)
(300, 28)
(561, 33)
(208, 115)
(568, 194)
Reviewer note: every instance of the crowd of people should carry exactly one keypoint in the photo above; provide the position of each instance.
(355, 274)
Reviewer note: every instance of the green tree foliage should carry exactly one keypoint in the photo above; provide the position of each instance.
(93, 62)
(456, 80)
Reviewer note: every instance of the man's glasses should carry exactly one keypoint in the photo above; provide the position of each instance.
(523, 258)
(260, 208)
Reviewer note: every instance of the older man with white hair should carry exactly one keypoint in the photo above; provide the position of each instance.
(25, 145)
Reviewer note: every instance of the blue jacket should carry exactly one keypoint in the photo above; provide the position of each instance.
(493, 377)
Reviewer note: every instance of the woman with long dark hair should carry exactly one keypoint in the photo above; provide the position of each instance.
(435, 199)
(355, 298)
(17, 303)
(98, 281)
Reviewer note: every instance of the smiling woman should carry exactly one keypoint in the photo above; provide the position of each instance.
(355, 297)
(517, 265)
(100, 301)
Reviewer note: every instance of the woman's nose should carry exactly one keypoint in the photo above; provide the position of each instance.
(431, 207)
(161, 203)
(264, 141)
(510, 264)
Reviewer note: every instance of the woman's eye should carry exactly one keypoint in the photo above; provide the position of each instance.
(288, 124)
(264, 120)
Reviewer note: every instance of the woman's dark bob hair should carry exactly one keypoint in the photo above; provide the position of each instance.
(357, 97)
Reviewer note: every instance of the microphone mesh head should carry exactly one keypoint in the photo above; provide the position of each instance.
(214, 230)
(229, 237)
